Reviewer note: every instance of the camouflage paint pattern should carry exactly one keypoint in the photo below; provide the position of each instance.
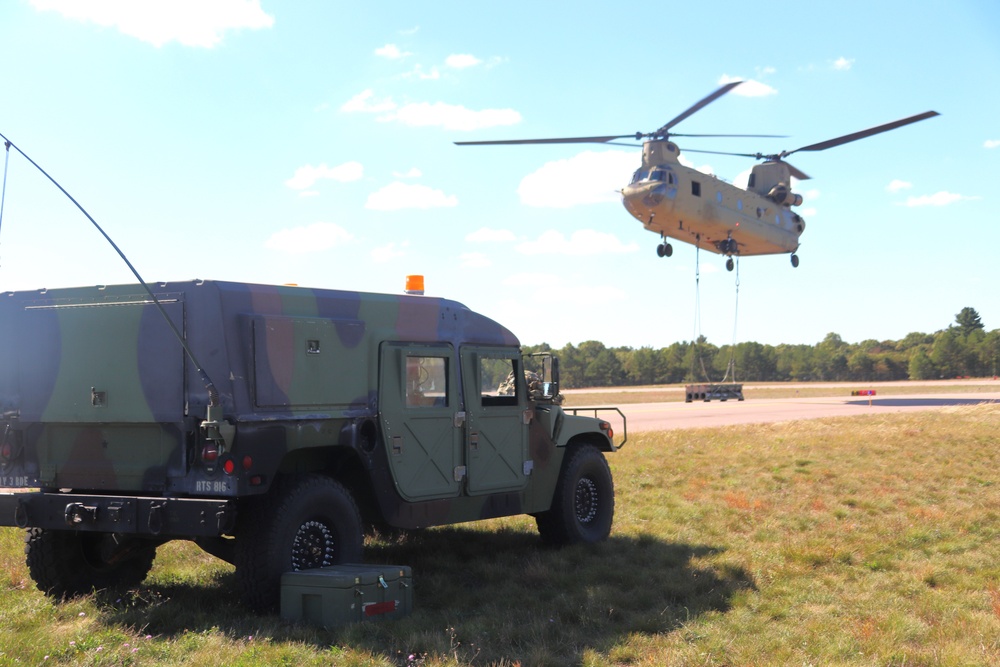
(98, 396)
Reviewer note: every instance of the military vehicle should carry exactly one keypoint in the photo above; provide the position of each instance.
(271, 425)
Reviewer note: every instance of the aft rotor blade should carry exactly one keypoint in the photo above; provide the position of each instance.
(796, 172)
(847, 138)
(698, 106)
(565, 140)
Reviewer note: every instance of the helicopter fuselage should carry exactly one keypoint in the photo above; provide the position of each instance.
(682, 203)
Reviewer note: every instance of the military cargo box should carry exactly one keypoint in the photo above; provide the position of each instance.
(343, 594)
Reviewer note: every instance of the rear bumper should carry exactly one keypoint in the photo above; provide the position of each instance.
(150, 516)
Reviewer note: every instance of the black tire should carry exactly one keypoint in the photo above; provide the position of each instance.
(65, 563)
(583, 506)
(309, 521)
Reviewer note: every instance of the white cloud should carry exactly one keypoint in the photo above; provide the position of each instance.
(306, 176)
(705, 168)
(424, 114)
(388, 252)
(311, 238)
(992, 143)
(581, 242)
(474, 260)
(742, 179)
(392, 52)
(190, 22)
(419, 72)
(896, 185)
(365, 103)
(843, 64)
(396, 196)
(461, 60)
(487, 235)
(588, 178)
(750, 87)
(412, 173)
(937, 199)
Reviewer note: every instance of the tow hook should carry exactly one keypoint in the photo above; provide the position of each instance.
(21, 514)
(78, 513)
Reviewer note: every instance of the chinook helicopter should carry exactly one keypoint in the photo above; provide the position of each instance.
(681, 203)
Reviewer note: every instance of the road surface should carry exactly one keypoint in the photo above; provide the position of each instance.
(699, 414)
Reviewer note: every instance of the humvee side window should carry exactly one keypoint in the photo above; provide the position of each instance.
(426, 382)
(498, 385)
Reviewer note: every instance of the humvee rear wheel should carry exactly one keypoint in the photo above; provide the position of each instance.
(310, 521)
(66, 563)
(583, 506)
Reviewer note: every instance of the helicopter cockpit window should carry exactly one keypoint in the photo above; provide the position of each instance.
(639, 175)
(658, 175)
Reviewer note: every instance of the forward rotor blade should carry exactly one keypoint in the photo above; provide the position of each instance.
(694, 150)
(698, 106)
(565, 140)
(765, 136)
(847, 138)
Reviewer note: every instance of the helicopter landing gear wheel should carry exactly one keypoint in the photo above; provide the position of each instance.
(795, 261)
(729, 264)
(664, 250)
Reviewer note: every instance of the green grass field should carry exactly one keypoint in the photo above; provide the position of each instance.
(859, 541)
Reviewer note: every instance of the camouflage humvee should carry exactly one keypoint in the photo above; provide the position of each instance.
(274, 426)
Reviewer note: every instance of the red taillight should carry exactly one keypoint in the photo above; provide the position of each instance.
(606, 427)
(6, 451)
(210, 453)
(229, 467)
(247, 462)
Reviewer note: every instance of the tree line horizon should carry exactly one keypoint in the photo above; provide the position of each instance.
(963, 349)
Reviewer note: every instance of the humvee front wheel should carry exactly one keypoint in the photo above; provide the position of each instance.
(65, 563)
(583, 506)
(312, 521)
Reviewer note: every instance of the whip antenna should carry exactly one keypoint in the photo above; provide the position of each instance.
(213, 393)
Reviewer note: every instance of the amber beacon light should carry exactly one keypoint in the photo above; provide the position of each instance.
(414, 285)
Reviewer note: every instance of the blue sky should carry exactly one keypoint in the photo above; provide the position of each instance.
(311, 143)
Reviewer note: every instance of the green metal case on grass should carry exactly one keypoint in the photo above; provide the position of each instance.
(349, 593)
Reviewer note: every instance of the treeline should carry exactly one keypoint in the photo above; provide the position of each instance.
(964, 349)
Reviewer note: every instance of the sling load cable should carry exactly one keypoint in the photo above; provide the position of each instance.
(697, 311)
(3, 192)
(213, 393)
(731, 368)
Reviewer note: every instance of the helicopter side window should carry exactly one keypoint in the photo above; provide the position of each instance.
(696, 188)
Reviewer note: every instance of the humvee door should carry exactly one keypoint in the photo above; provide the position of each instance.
(418, 402)
(496, 419)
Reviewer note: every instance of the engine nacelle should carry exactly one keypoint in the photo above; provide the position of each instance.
(782, 194)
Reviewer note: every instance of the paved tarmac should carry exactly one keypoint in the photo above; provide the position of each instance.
(699, 414)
